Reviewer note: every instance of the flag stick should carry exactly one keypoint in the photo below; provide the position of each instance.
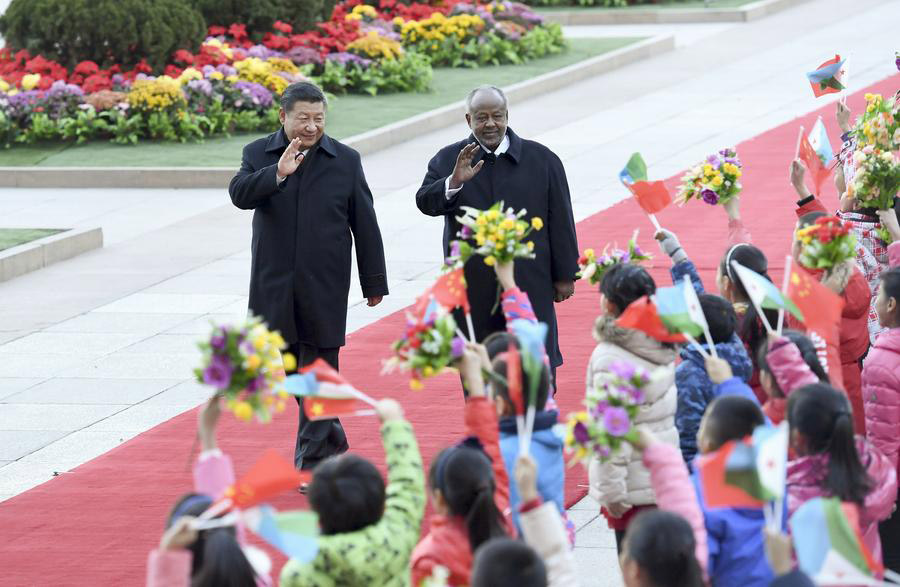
(361, 396)
(709, 340)
(529, 427)
(759, 311)
(470, 327)
(696, 345)
(799, 139)
(784, 287)
(225, 521)
(520, 432)
(655, 222)
(892, 576)
(460, 334)
(215, 509)
(767, 514)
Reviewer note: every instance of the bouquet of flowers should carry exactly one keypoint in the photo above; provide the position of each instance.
(611, 408)
(715, 181)
(877, 178)
(428, 348)
(826, 243)
(593, 268)
(498, 235)
(244, 364)
(879, 125)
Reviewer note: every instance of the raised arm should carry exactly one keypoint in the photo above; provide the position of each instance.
(252, 187)
(440, 191)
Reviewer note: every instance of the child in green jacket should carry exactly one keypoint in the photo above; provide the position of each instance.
(368, 532)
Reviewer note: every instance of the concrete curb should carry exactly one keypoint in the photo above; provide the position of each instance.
(365, 143)
(45, 251)
(745, 13)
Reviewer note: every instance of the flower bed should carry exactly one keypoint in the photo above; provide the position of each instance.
(232, 84)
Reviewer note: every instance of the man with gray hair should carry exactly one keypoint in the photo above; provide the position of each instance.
(495, 164)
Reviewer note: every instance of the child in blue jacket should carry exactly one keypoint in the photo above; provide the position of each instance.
(695, 389)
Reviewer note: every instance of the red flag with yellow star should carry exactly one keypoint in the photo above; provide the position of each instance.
(449, 291)
(820, 306)
(271, 475)
(326, 394)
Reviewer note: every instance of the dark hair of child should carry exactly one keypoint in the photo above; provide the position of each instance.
(720, 316)
(751, 330)
(662, 544)
(823, 420)
(347, 492)
(807, 351)
(731, 417)
(504, 562)
(624, 283)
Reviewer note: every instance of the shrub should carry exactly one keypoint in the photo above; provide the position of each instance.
(260, 15)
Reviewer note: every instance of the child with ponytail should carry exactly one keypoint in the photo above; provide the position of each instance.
(833, 462)
(469, 486)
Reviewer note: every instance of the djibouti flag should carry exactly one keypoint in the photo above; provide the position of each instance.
(759, 466)
(763, 292)
(674, 311)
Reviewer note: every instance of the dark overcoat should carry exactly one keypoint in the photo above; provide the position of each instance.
(528, 175)
(302, 235)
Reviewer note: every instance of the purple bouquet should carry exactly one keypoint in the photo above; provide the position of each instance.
(608, 419)
(244, 364)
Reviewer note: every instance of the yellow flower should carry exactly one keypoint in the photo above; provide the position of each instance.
(717, 180)
(530, 245)
(416, 385)
(707, 169)
(290, 362)
(508, 224)
(189, 74)
(589, 252)
(30, 81)
(490, 260)
(216, 75)
(3, 85)
(537, 223)
(428, 371)
(243, 411)
(481, 220)
(253, 362)
(232, 79)
(492, 214)
(730, 168)
(398, 21)
(280, 406)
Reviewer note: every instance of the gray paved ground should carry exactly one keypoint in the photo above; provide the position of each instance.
(99, 348)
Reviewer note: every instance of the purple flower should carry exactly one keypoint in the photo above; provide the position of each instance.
(455, 249)
(710, 197)
(622, 369)
(200, 85)
(616, 421)
(713, 160)
(465, 232)
(638, 252)
(258, 94)
(581, 434)
(217, 342)
(218, 374)
(304, 55)
(457, 347)
(256, 384)
(262, 52)
(622, 256)
(637, 396)
(226, 69)
(345, 59)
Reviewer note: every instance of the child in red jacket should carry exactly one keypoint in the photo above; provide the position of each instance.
(469, 486)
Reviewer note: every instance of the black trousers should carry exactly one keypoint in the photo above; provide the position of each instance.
(316, 441)
(889, 530)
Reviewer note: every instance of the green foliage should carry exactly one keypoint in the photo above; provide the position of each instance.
(410, 73)
(259, 15)
(104, 31)
(494, 49)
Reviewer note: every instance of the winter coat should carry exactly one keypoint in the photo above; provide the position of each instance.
(547, 451)
(530, 176)
(542, 528)
(881, 387)
(687, 269)
(847, 280)
(871, 251)
(378, 554)
(675, 493)
(447, 541)
(303, 232)
(695, 390)
(623, 478)
(806, 479)
(790, 372)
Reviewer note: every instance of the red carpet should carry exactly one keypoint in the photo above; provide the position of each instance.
(96, 525)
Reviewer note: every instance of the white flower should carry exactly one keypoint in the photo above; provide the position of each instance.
(589, 271)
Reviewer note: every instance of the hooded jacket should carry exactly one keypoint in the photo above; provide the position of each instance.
(624, 478)
(696, 391)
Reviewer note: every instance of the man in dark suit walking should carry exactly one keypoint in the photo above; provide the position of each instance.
(309, 195)
(495, 164)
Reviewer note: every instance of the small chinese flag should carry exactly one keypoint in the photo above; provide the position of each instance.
(449, 291)
(820, 306)
(271, 475)
(651, 196)
(813, 162)
(642, 315)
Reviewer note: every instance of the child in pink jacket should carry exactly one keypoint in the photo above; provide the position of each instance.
(787, 363)
(184, 553)
(881, 387)
(833, 462)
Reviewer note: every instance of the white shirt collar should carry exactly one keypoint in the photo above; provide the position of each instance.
(502, 148)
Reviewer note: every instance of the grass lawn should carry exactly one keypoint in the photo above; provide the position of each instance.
(13, 237)
(664, 5)
(347, 116)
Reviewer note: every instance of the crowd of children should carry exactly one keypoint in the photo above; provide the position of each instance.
(498, 513)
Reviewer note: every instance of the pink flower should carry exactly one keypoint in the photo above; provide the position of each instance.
(616, 421)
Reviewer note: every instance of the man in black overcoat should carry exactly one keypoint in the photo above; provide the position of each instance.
(308, 194)
(495, 164)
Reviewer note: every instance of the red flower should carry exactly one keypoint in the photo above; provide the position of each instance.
(39, 109)
(283, 27)
(143, 67)
(215, 31)
(87, 68)
(276, 42)
(95, 83)
(184, 56)
(238, 31)
(173, 70)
